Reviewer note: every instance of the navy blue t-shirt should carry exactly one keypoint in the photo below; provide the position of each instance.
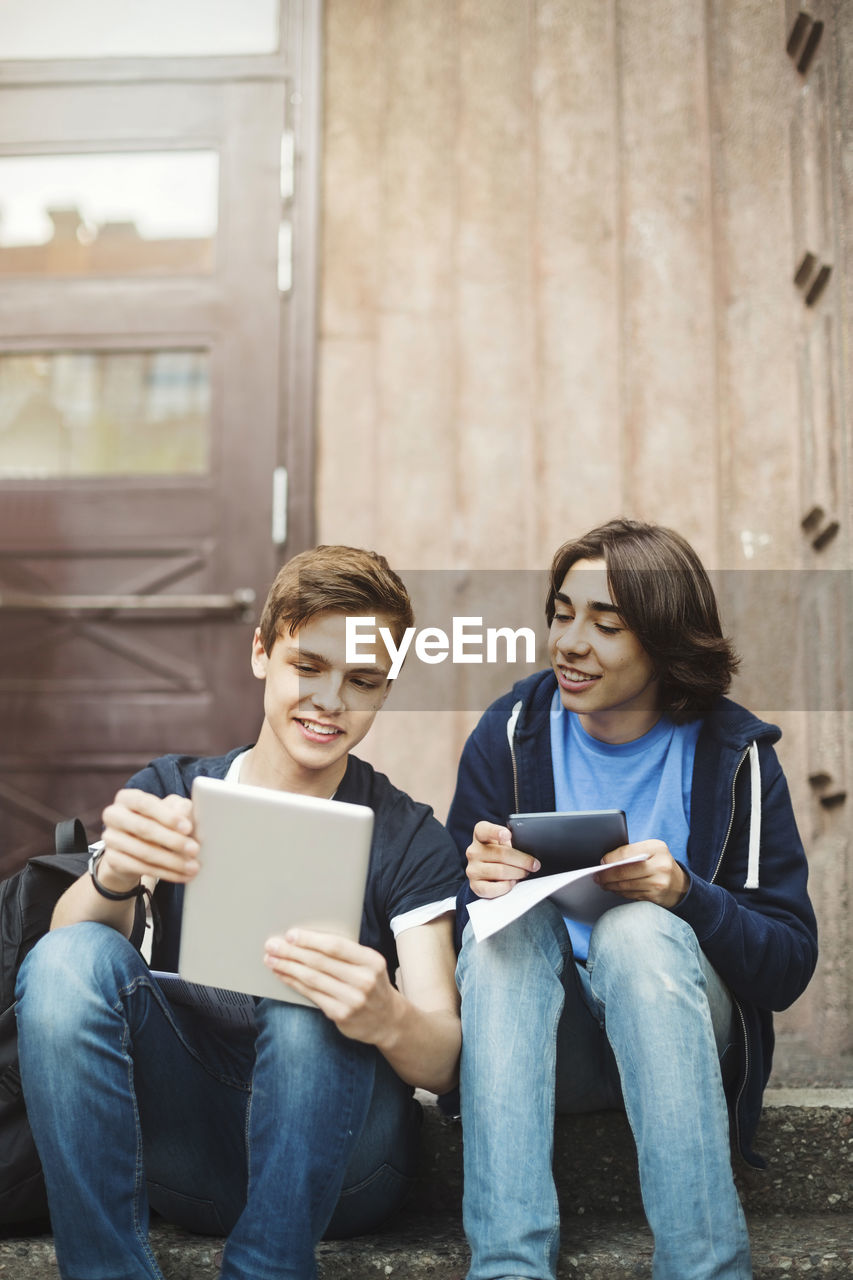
(413, 861)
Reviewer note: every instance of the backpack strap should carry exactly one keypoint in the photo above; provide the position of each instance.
(71, 837)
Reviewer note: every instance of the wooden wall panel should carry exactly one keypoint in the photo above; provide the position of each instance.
(820, 203)
(350, 265)
(666, 306)
(560, 241)
(416, 450)
(352, 169)
(751, 92)
(414, 368)
(493, 302)
(576, 341)
(347, 447)
(418, 74)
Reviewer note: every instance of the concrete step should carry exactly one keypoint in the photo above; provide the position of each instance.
(419, 1248)
(805, 1135)
(800, 1210)
(593, 1249)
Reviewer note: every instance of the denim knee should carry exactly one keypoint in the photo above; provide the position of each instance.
(297, 1031)
(66, 969)
(298, 1048)
(639, 943)
(535, 942)
(383, 1167)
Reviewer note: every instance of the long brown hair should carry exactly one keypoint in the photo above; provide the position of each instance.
(664, 596)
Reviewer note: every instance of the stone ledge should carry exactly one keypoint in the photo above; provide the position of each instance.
(800, 1209)
(808, 1146)
(810, 1096)
(419, 1249)
(595, 1249)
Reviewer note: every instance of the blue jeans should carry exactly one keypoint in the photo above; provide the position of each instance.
(644, 1024)
(273, 1136)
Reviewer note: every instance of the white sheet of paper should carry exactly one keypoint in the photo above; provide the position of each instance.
(575, 892)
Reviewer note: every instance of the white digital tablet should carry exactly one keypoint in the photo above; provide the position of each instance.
(270, 860)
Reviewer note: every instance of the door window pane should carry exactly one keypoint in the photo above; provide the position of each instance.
(136, 28)
(95, 413)
(140, 213)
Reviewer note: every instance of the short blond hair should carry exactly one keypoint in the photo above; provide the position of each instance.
(334, 579)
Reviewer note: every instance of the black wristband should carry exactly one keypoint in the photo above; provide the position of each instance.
(113, 896)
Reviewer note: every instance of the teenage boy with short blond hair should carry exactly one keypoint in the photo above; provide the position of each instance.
(303, 1124)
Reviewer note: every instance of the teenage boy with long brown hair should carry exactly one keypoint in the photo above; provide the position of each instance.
(664, 1006)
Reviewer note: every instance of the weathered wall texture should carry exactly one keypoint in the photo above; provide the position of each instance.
(558, 253)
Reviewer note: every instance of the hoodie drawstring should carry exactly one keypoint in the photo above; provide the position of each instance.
(751, 881)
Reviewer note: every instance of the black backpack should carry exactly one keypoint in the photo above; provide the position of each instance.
(27, 899)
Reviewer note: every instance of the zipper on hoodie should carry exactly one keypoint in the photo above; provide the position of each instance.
(731, 819)
(735, 1001)
(514, 775)
(747, 1067)
(511, 726)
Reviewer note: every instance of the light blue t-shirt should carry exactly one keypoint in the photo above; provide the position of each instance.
(650, 778)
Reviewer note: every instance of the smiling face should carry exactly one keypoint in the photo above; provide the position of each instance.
(603, 672)
(317, 706)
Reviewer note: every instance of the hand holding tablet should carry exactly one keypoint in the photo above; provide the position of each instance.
(568, 841)
(270, 861)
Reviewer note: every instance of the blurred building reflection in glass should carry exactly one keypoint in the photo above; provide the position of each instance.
(49, 29)
(110, 214)
(91, 413)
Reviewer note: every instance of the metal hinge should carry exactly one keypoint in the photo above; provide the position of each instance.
(285, 228)
(279, 506)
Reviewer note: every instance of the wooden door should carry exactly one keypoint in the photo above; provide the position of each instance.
(146, 388)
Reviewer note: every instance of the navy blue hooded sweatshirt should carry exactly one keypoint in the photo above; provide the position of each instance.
(747, 901)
